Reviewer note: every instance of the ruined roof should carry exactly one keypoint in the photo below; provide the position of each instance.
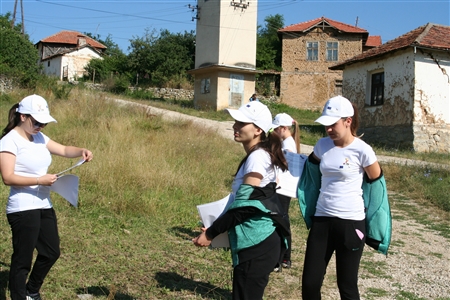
(72, 38)
(432, 36)
(308, 25)
(373, 41)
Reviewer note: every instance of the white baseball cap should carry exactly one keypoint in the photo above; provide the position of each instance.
(336, 108)
(37, 107)
(253, 112)
(282, 119)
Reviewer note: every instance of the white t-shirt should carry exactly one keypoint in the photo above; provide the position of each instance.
(289, 144)
(342, 175)
(287, 183)
(32, 160)
(258, 161)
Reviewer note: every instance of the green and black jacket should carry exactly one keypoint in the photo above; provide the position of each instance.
(252, 220)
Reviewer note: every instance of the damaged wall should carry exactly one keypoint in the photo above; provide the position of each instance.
(75, 61)
(416, 110)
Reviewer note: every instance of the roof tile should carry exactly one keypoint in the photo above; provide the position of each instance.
(305, 26)
(71, 37)
(373, 41)
(430, 36)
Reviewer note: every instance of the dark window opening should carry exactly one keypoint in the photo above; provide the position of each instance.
(377, 89)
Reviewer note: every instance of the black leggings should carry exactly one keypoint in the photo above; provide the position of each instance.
(32, 229)
(326, 236)
(251, 277)
(285, 203)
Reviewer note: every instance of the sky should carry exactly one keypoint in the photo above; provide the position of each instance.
(125, 20)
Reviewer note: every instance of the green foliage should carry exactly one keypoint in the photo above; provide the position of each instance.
(141, 94)
(18, 56)
(268, 48)
(264, 86)
(162, 58)
(62, 91)
(112, 63)
(118, 84)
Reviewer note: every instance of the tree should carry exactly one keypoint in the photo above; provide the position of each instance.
(18, 56)
(164, 57)
(268, 45)
(113, 61)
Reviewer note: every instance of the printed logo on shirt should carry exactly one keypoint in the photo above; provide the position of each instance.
(345, 164)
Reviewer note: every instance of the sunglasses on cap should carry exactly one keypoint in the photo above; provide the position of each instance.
(37, 124)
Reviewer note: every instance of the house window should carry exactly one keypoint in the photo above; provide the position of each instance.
(312, 50)
(332, 51)
(338, 87)
(377, 89)
(48, 64)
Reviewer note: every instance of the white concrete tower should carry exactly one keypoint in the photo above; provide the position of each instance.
(225, 54)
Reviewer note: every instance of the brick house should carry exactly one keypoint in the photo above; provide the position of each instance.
(402, 90)
(66, 53)
(308, 49)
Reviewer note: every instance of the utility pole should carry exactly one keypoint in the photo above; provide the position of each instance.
(14, 16)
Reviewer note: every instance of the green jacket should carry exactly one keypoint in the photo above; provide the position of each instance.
(376, 203)
(259, 227)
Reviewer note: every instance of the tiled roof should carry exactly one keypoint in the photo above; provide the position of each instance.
(71, 37)
(305, 26)
(373, 41)
(432, 36)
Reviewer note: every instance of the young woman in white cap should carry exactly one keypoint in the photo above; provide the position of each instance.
(287, 129)
(25, 155)
(254, 220)
(338, 217)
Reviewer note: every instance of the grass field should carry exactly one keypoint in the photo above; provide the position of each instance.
(130, 237)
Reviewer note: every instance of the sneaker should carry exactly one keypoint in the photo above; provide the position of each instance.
(286, 264)
(35, 296)
(277, 268)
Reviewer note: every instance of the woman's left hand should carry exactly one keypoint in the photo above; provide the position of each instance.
(202, 240)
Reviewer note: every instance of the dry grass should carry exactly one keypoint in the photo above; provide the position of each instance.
(131, 236)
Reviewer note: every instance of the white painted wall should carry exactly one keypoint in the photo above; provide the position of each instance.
(432, 88)
(398, 89)
(54, 67)
(76, 61)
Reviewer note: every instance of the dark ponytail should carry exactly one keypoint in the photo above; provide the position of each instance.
(13, 120)
(272, 144)
(355, 121)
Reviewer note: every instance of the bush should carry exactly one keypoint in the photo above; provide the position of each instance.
(117, 85)
(62, 91)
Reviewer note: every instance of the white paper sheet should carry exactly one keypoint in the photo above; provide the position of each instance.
(209, 212)
(289, 183)
(79, 163)
(67, 187)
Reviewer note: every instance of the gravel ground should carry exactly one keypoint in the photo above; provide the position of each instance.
(418, 263)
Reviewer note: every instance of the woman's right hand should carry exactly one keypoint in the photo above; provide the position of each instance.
(202, 240)
(47, 179)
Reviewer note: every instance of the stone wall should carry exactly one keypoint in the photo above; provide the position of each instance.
(169, 93)
(6, 85)
(420, 138)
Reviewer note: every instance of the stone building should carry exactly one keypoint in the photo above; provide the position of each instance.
(66, 53)
(402, 90)
(308, 49)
